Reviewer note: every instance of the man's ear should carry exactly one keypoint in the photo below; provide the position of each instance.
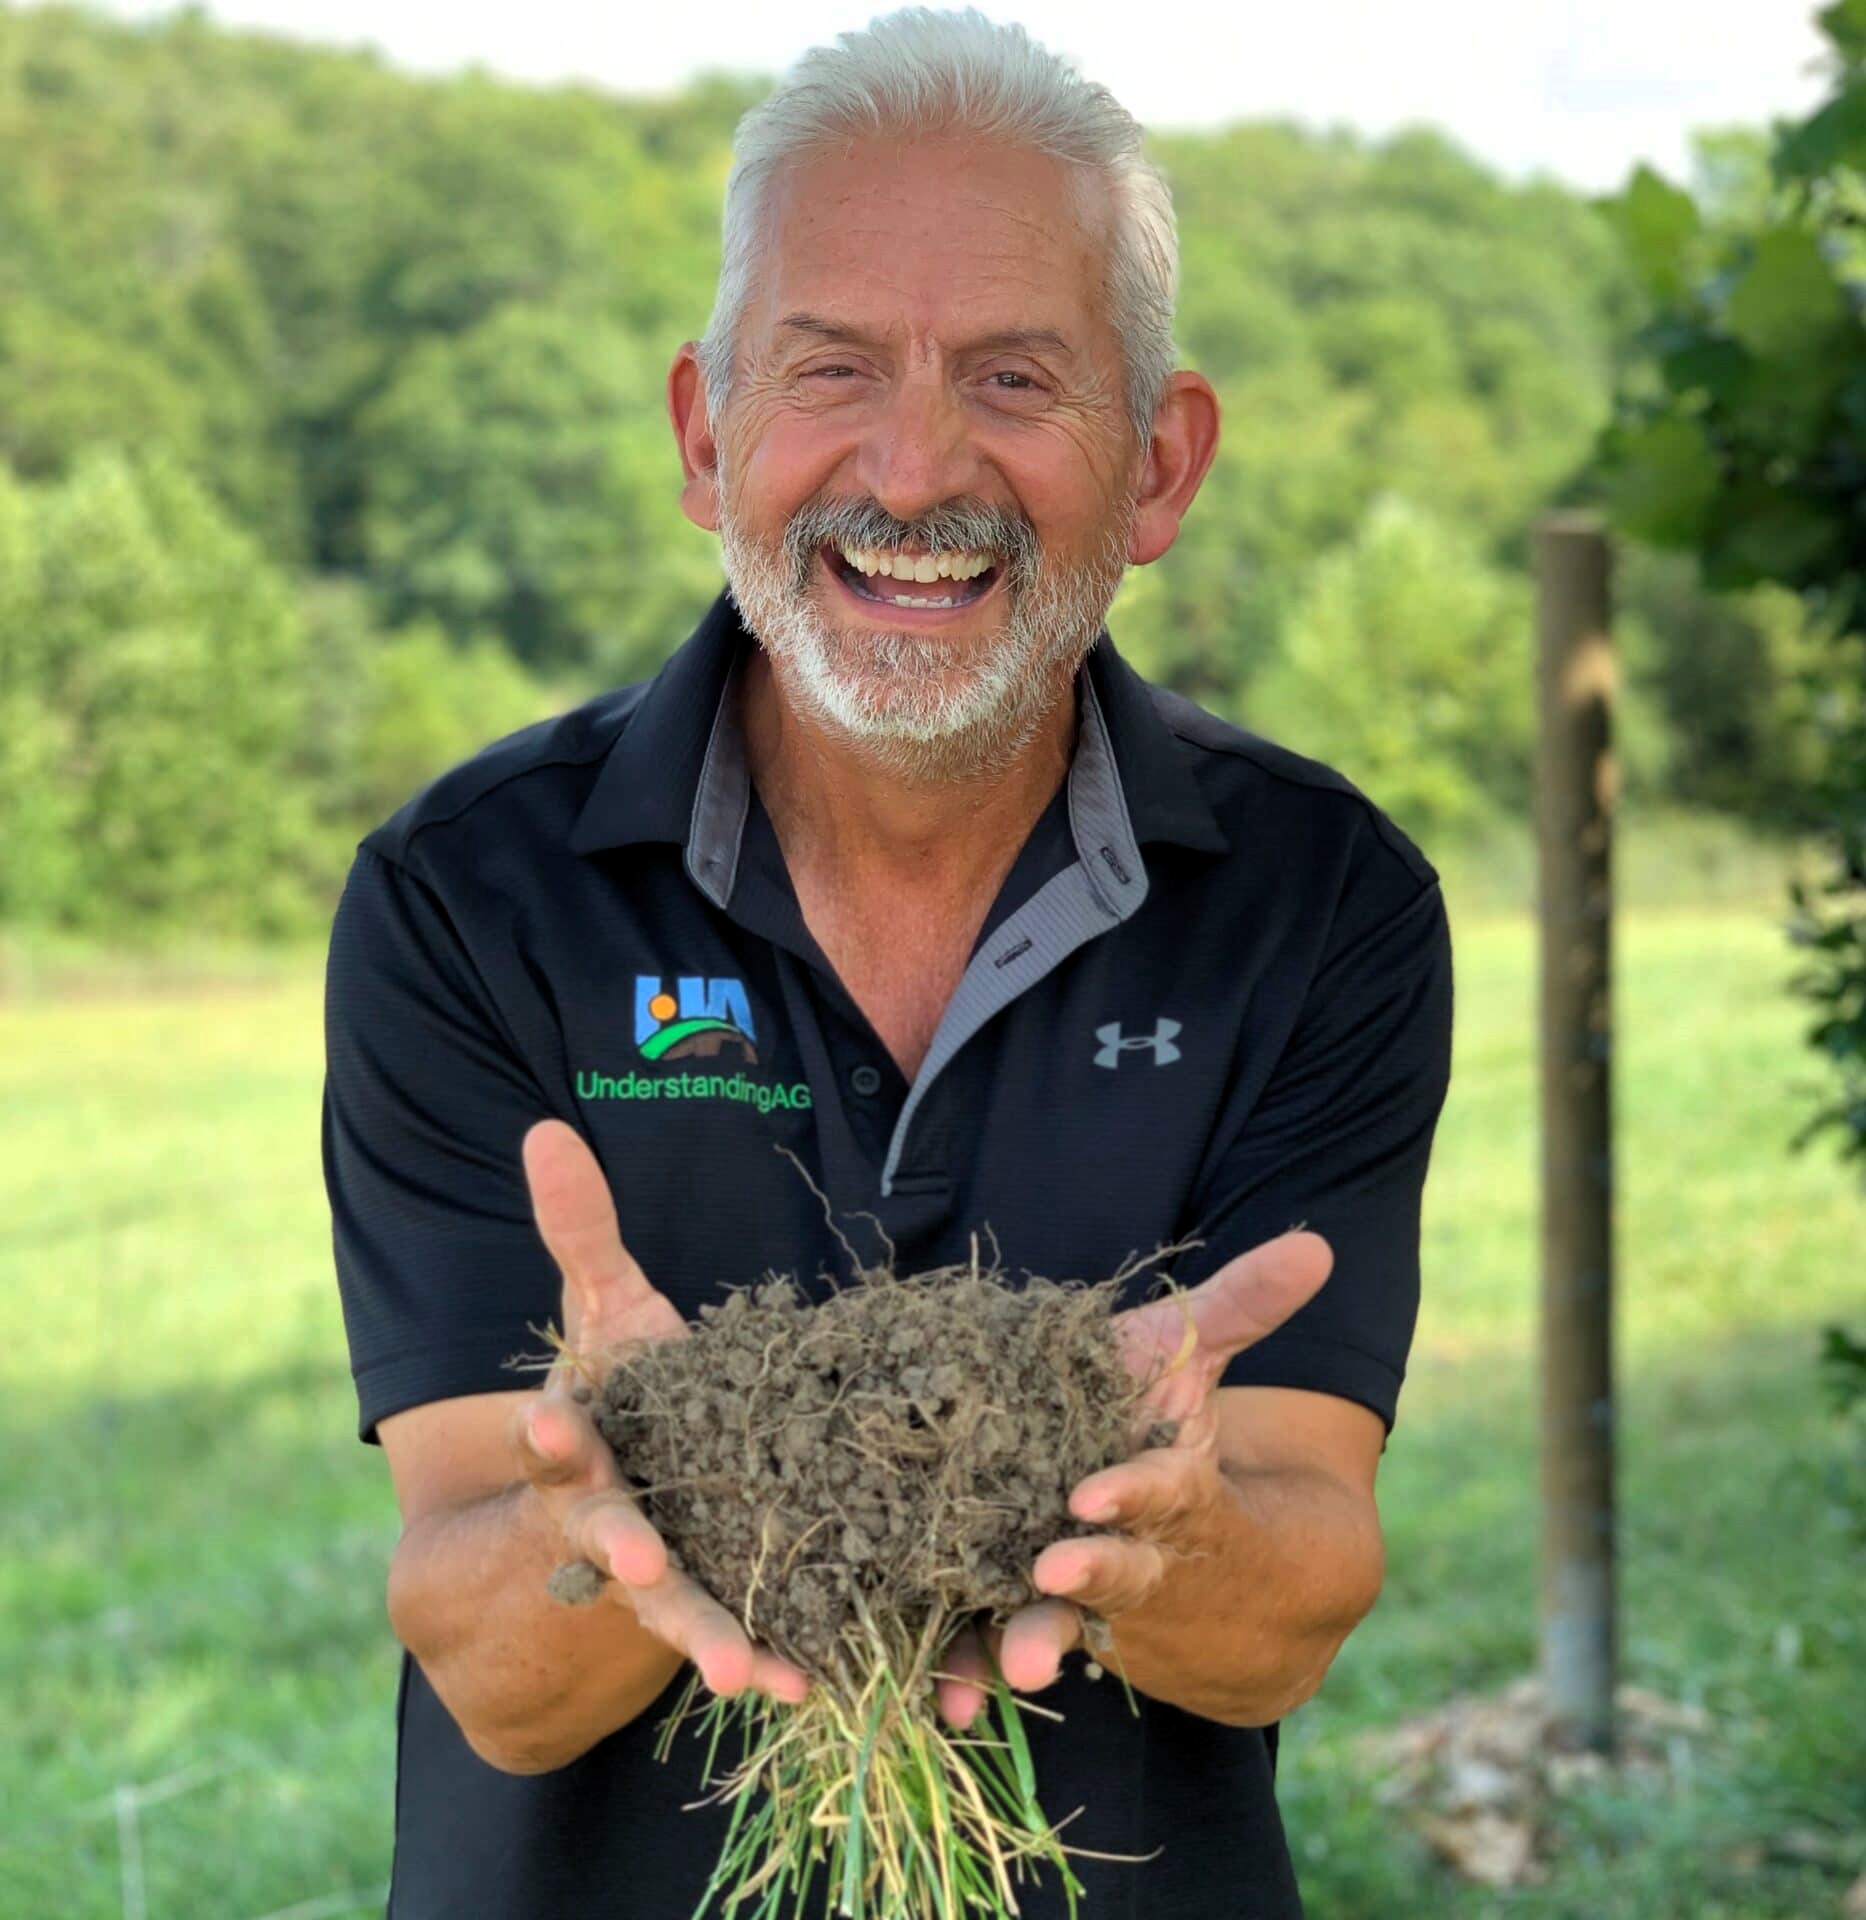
(693, 434)
(1185, 438)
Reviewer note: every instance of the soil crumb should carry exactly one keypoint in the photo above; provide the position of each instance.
(905, 1447)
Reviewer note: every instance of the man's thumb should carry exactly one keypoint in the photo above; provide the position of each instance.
(1254, 1294)
(576, 1216)
(1246, 1299)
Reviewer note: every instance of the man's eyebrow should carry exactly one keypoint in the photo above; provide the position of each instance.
(1000, 340)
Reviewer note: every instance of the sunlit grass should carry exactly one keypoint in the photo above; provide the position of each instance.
(196, 1543)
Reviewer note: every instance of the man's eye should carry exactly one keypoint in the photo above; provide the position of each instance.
(1023, 380)
(818, 372)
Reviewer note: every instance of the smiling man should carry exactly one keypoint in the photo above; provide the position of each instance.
(899, 867)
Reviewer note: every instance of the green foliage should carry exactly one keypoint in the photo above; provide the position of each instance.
(1666, 481)
(1724, 695)
(1843, 1373)
(179, 746)
(517, 483)
(152, 674)
(386, 711)
(1403, 664)
(1843, 1361)
(65, 386)
(1389, 319)
(1741, 437)
(1658, 224)
(1829, 921)
(409, 336)
(1742, 443)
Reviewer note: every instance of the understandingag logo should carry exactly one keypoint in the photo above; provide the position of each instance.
(762, 1094)
(699, 1020)
(701, 1017)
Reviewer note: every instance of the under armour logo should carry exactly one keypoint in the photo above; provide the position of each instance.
(1114, 1043)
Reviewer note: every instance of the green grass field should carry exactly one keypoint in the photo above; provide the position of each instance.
(196, 1660)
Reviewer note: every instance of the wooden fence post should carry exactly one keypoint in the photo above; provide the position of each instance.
(1575, 795)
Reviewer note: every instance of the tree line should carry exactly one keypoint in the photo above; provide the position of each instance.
(332, 447)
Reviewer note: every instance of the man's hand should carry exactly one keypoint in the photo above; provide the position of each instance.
(1163, 1497)
(607, 1303)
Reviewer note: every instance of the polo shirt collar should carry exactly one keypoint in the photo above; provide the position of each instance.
(678, 770)
(650, 776)
(1164, 799)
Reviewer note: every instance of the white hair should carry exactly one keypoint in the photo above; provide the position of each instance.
(921, 72)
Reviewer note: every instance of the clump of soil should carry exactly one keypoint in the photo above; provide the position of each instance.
(906, 1447)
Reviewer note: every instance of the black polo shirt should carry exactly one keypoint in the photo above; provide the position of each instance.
(1212, 998)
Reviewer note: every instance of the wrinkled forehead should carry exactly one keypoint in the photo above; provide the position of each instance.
(933, 236)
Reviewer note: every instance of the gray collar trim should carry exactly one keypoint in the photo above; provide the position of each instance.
(724, 797)
(1105, 886)
(1098, 816)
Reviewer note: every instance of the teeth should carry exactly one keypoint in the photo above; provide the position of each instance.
(921, 568)
(916, 600)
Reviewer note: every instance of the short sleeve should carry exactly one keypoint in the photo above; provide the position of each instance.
(427, 1100)
(1338, 1141)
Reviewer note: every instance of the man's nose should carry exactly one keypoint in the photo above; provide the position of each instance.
(916, 451)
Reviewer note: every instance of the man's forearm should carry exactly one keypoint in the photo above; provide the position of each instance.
(1243, 1629)
(532, 1683)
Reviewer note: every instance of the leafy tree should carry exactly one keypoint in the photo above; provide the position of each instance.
(386, 711)
(38, 817)
(1403, 664)
(1731, 688)
(522, 479)
(181, 744)
(1378, 319)
(65, 386)
(1740, 436)
(151, 687)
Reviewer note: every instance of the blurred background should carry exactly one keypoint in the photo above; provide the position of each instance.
(332, 448)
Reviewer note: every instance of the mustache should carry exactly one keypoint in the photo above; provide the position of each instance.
(954, 526)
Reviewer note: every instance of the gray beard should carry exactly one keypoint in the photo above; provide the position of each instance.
(920, 708)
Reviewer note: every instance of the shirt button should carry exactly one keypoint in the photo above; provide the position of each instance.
(866, 1081)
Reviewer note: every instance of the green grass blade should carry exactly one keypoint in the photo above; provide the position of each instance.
(935, 1879)
(719, 1720)
(852, 1838)
(675, 1715)
(1013, 1727)
(734, 1864)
